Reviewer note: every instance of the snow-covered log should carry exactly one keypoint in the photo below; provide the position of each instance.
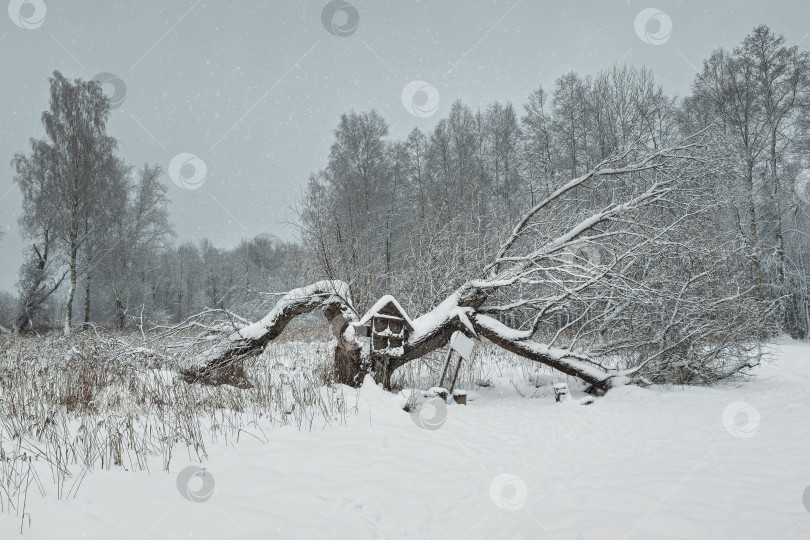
(563, 360)
(221, 363)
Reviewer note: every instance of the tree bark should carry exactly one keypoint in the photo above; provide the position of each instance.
(119, 314)
(87, 298)
(72, 292)
(754, 229)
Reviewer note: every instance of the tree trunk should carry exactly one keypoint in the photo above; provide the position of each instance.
(348, 367)
(780, 241)
(120, 317)
(87, 298)
(753, 228)
(72, 292)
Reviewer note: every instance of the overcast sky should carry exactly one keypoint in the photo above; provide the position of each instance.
(254, 89)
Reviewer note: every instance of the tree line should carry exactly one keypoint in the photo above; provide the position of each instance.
(100, 240)
(419, 217)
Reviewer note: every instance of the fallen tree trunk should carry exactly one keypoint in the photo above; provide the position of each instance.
(562, 360)
(223, 362)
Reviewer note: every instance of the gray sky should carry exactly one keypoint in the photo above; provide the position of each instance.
(255, 88)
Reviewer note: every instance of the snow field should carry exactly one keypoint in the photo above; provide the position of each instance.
(730, 462)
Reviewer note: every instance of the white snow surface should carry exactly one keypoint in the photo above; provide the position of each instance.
(637, 464)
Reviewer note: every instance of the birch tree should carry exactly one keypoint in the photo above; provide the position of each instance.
(63, 174)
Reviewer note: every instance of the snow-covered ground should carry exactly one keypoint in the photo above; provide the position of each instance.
(637, 464)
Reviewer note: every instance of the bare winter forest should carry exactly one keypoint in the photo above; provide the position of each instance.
(448, 294)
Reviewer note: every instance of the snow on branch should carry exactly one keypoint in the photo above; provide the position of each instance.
(330, 296)
(560, 359)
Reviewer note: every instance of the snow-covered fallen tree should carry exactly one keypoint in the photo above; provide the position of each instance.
(613, 278)
(221, 363)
